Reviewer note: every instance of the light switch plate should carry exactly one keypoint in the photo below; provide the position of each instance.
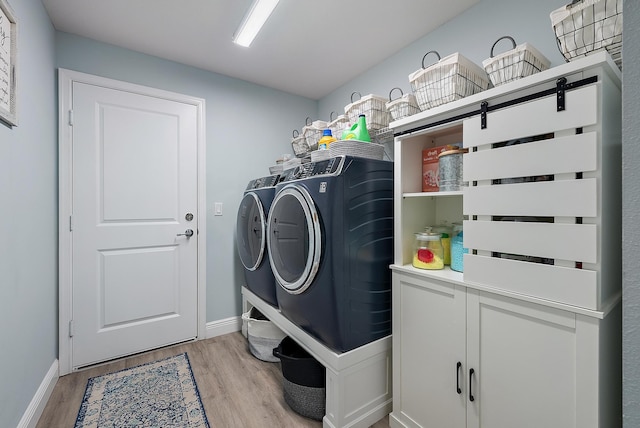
(217, 208)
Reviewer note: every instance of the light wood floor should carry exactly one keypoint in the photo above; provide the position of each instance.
(237, 389)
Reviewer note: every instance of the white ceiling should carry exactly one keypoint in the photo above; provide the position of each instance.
(308, 48)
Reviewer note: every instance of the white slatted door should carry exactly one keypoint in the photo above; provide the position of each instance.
(134, 281)
(533, 204)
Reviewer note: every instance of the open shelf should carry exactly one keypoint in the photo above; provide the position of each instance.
(446, 274)
(432, 194)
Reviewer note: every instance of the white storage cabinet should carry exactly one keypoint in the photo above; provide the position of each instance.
(530, 334)
(533, 365)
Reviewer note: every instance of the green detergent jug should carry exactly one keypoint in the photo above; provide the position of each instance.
(357, 131)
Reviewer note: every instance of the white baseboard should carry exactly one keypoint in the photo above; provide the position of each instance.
(224, 326)
(39, 401)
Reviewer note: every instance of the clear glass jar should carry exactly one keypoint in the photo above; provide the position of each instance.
(428, 252)
(445, 233)
(457, 248)
(456, 229)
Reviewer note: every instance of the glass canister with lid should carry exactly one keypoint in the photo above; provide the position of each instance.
(445, 233)
(457, 248)
(428, 252)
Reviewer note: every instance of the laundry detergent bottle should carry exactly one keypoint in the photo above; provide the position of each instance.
(326, 140)
(357, 131)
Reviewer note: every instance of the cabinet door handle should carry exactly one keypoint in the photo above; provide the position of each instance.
(471, 397)
(458, 366)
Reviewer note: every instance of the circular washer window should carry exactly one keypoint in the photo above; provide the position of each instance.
(294, 238)
(251, 231)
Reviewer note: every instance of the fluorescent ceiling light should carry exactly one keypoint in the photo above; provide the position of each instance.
(253, 21)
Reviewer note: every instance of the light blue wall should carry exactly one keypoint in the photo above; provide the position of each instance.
(631, 215)
(29, 213)
(472, 34)
(247, 128)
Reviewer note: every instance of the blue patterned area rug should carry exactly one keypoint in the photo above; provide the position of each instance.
(161, 394)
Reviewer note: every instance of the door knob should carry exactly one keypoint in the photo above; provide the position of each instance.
(188, 233)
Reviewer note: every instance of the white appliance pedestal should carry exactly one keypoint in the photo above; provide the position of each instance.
(358, 382)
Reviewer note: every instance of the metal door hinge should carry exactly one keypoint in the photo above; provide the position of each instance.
(561, 86)
(70, 223)
(72, 329)
(70, 117)
(483, 114)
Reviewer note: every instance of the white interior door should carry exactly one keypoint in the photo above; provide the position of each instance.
(134, 198)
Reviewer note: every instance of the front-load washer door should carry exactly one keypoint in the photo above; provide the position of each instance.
(294, 238)
(251, 226)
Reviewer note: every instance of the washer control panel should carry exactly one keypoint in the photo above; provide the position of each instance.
(331, 166)
(259, 183)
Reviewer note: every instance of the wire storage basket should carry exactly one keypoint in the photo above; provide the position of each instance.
(382, 136)
(521, 61)
(299, 144)
(404, 106)
(374, 109)
(586, 26)
(312, 133)
(451, 78)
(338, 125)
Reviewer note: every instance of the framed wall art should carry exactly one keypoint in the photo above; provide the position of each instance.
(8, 53)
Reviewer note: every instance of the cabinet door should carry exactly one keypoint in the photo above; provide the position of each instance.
(428, 342)
(524, 360)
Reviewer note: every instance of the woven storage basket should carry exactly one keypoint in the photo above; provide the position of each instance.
(338, 125)
(291, 163)
(521, 61)
(451, 78)
(303, 380)
(275, 169)
(586, 26)
(318, 155)
(374, 109)
(357, 148)
(401, 107)
(262, 334)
